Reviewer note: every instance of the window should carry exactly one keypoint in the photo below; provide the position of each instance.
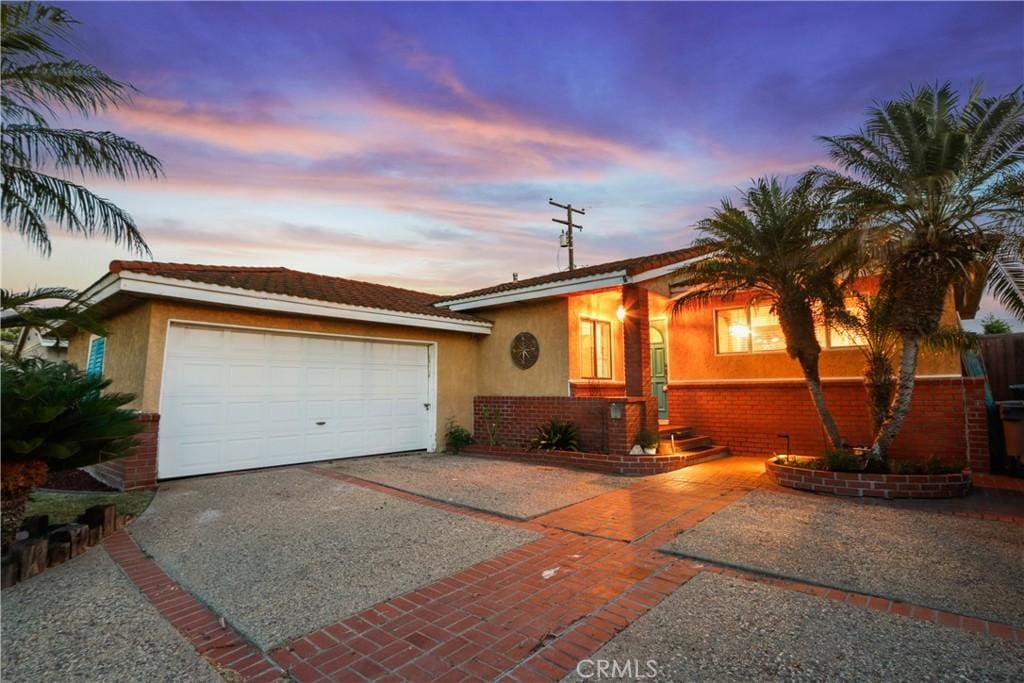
(839, 338)
(596, 343)
(97, 349)
(754, 329)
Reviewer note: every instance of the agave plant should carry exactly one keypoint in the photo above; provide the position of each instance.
(557, 436)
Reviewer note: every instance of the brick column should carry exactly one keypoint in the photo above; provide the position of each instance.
(138, 469)
(636, 333)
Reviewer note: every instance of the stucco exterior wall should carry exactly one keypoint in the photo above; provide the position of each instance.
(136, 341)
(596, 306)
(548, 321)
(126, 355)
(693, 357)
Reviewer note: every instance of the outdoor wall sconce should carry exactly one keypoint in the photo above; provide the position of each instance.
(620, 313)
(616, 411)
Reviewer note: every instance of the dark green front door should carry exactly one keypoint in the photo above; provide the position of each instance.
(659, 371)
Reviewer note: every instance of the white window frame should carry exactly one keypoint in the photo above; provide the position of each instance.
(593, 371)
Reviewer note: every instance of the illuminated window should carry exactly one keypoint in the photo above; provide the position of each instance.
(765, 330)
(840, 338)
(596, 343)
(733, 330)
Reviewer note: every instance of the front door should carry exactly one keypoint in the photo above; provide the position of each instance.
(659, 369)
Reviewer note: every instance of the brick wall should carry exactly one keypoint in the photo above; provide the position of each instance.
(138, 469)
(599, 431)
(596, 388)
(947, 417)
(863, 485)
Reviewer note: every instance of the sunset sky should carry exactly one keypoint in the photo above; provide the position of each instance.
(418, 144)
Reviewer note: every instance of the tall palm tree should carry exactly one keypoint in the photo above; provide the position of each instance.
(935, 185)
(37, 158)
(779, 247)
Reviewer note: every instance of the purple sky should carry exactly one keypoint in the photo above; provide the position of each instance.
(417, 144)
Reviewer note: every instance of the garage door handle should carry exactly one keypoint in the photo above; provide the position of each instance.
(426, 406)
(321, 423)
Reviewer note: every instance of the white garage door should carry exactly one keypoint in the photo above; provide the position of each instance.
(235, 399)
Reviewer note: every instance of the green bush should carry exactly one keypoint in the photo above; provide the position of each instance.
(930, 466)
(557, 436)
(841, 460)
(456, 437)
(56, 414)
(645, 438)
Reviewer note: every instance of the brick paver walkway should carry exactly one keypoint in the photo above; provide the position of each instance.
(529, 614)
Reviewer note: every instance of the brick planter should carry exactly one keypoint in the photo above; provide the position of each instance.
(630, 465)
(864, 485)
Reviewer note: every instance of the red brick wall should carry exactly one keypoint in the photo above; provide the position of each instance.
(604, 389)
(636, 333)
(863, 485)
(947, 417)
(137, 470)
(599, 431)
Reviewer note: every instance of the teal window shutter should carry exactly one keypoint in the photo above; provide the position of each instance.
(97, 348)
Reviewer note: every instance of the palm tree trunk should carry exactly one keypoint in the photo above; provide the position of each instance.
(818, 397)
(878, 381)
(901, 400)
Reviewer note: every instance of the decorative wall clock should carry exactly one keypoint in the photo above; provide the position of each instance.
(525, 350)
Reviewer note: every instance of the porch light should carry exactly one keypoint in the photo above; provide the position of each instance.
(620, 313)
(739, 330)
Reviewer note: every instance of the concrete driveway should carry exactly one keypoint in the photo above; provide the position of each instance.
(510, 489)
(281, 553)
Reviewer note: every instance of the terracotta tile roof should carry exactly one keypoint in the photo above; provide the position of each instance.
(287, 282)
(632, 266)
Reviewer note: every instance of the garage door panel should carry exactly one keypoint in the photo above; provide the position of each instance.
(238, 399)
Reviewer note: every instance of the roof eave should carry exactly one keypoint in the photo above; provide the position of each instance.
(146, 285)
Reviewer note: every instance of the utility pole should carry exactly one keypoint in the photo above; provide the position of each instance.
(569, 225)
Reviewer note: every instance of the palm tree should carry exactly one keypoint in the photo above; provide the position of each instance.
(39, 80)
(48, 309)
(778, 247)
(937, 187)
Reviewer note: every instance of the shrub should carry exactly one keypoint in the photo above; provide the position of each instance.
(557, 436)
(54, 416)
(645, 438)
(456, 437)
(841, 460)
(930, 466)
(492, 422)
(993, 325)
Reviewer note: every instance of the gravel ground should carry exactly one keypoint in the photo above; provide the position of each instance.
(715, 628)
(962, 565)
(85, 621)
(511, 489)
(281, 553)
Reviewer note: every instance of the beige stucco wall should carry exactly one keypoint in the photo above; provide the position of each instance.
(692, 352)
(137, 366)
(124, 361)
(548, 321)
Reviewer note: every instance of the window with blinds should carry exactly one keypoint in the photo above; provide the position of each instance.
(596, 349)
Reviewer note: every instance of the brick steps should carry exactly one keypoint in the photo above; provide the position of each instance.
(711, 453)
(686, 442)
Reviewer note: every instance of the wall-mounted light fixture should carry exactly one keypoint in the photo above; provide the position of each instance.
(615, 411)
(620, 313)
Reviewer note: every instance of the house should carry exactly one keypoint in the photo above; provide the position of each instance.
(236, 368)
(31, 343)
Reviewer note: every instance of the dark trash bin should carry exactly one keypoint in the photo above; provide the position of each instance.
(1011, 414)
(1017, 392)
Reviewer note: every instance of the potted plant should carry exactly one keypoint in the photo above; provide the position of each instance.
(648, 441)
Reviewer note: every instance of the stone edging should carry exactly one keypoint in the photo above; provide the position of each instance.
(630, 465)
(862, 484)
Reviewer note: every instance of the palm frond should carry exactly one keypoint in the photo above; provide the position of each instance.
(99, 153)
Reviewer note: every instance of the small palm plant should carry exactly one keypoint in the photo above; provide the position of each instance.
(779, 247)
(937, 189)
(36, 158)
(54, 416)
